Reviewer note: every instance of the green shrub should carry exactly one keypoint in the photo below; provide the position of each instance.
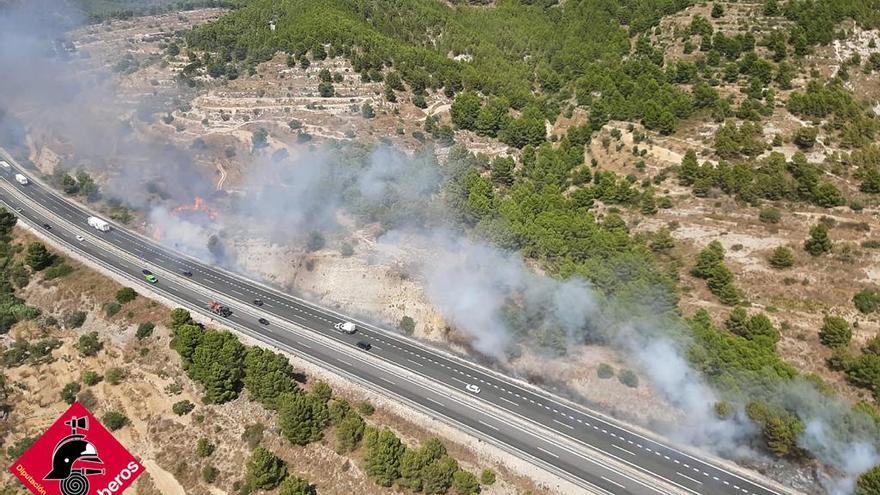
(112, 308)
(770, 215)
(125, 295)
(18, 448)
(407, 325)
(605, 371)
(316, 241)
(265, 470)
(487, 477)
(253, 434)
(68, 393)
(114, 376)
(209, 473)
(114, 420)
(867, 300)
(88, 344)
(144, 330)
(366, 409)
(835, 332)
(75, 319)
(57, 270)
(781, 258)
(183, 407)
(204, 448)
(628, 378)
(294, 485)
(91, 377)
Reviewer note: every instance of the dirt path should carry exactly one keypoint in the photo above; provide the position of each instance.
(165, 482)
(222, 176)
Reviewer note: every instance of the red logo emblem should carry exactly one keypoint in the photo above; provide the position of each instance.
(76, 456)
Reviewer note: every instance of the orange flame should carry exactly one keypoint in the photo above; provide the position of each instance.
(199, 206)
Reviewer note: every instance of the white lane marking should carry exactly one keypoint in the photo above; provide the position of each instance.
(345, 362)
(387, 380)
(689, 478)
(459, 381)
(623, 449)
(487, 425)
(547, 452)
(414, 362)
(436, 402)
(307, 346)
(614, 483)
(564, 424)
(512, 402)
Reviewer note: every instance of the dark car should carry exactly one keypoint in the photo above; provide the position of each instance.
(187, 273)
(146, 272)
(364, 345)
(47, 226)
(263, 321)
(258, 302)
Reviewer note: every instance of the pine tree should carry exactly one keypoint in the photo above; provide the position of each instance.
(818, 243)
(382, 460)
(265, 470)
(267, 375)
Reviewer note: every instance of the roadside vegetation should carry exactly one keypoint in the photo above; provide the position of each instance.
(226, 369)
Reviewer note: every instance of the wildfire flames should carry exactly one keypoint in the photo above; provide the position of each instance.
(198, 206)
(197, 211)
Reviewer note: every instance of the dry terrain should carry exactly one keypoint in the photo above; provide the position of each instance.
(153, 381)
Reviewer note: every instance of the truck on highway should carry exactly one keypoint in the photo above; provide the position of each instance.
(99, 224)
(220, 309)
(346, 327)
(21, 179)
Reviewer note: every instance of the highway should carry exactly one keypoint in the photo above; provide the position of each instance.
(584, 447)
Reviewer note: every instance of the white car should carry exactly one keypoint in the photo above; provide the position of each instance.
(80, 238)
(472, 388)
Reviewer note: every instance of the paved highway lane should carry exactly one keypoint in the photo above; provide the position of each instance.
(661, 461)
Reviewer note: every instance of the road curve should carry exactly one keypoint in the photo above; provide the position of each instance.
(584, 447)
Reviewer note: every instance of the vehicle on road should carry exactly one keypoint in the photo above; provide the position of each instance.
(5, 165)
(472, 388)
(146, 272)
(80, 238)
(263, 321)
(18, 209)
(346, 327)
(151, 278)
(364, 345)
(99, 224)
(220, 309)
(258, 302)
(186, 273)
(21, 179)
(47, 226)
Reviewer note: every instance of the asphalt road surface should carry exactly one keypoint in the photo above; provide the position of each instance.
(519, 417)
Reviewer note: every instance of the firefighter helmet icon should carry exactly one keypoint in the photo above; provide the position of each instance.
(68, 455)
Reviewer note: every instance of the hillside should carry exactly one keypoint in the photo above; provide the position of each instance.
(682, 196)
